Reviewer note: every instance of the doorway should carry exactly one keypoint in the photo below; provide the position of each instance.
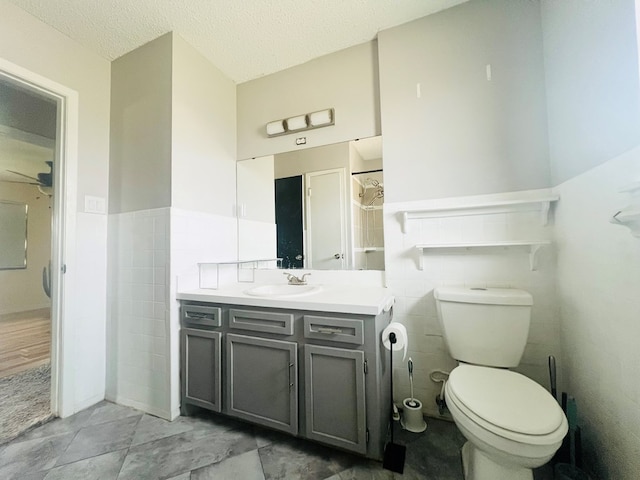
(31, 165)
(289, 227)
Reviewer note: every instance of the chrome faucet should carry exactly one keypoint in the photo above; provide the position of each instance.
(293, 280)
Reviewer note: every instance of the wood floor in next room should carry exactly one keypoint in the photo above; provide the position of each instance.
(25, 341)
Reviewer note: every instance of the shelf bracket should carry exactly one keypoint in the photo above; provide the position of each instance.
(533, 257)
(544, 213)
(404, 221)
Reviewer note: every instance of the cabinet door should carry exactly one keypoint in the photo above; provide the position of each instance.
(263, 385)
(335, 397)
(201, 364)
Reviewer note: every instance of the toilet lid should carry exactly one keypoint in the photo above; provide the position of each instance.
(506, 399)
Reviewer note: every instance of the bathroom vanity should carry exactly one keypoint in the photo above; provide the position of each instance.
(310, 365)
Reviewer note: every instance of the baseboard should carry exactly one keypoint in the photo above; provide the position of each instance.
(156, 412)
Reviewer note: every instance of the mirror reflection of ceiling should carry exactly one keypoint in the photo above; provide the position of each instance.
(245, 39)
(27, 134)
(369, 148)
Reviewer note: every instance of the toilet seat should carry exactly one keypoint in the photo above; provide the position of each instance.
(507, 404)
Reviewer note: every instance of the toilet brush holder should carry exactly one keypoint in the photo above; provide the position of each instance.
(412, 419)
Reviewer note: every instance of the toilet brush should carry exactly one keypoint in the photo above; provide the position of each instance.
(412, 403)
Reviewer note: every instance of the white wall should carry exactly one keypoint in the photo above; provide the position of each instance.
(203, 134)
(21, 290)
(464, 135)
(591, 68)
(203, 224)
(598, 283)
(593, 85)
(189, 157)
(346, 81)
(30, 44)
(256, 205)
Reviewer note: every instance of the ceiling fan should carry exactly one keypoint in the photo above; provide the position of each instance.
(44, 180)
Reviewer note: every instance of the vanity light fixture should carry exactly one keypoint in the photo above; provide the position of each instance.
(275, 128)
(296, 123)
(321, 118)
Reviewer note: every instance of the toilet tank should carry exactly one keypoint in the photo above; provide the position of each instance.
(484, 326)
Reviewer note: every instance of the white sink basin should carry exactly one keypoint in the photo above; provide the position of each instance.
(282, 290)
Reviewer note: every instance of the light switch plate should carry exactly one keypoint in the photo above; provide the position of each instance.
(95, 204)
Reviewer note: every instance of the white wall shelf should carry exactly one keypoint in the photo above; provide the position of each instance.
(541, 204)
(532, 246)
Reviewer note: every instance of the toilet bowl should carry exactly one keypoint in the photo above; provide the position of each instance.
(511, 423)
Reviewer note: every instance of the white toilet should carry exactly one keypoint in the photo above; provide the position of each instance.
(511, 423)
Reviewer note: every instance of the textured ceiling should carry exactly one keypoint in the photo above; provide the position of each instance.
(245, 39)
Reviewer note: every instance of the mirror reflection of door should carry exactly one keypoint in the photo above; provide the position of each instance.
(326, 230)
(289, 228)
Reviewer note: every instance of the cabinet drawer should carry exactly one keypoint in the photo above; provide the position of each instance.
(256, 321)
(343, 330)
(201, 315)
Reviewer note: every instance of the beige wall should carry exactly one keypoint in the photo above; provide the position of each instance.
(35, 46)
(346, 80)
(203, 134)
(312, 160)
(21, 290)
(140, 167)
(464, 135)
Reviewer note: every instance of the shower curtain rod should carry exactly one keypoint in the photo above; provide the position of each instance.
(366, 171)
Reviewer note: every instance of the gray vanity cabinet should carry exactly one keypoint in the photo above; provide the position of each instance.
(262, 381)
(201, 368)
(313, 374)
(335, 397)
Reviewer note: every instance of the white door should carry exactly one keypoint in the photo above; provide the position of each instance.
(326, 226)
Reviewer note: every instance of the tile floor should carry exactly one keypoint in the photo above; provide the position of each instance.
(109, 442)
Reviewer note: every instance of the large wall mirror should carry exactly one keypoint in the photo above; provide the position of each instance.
(318, 208)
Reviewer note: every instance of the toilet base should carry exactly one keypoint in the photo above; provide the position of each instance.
(477, 466)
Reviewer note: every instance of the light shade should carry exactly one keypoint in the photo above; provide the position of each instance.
(321, 118)
(297, 123)
(275, 128)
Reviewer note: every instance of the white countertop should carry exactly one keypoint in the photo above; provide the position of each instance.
(365, 300)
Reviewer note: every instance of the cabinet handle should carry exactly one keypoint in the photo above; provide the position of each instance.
(198, 315)
(290, 381)
(328, 330)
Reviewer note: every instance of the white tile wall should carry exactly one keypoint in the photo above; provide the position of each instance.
(138, 299)
(413, 288)
(599, 291)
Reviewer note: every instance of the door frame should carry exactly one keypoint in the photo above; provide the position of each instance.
(63, 231)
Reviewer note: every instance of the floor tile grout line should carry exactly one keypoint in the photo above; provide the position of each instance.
(124, 459)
